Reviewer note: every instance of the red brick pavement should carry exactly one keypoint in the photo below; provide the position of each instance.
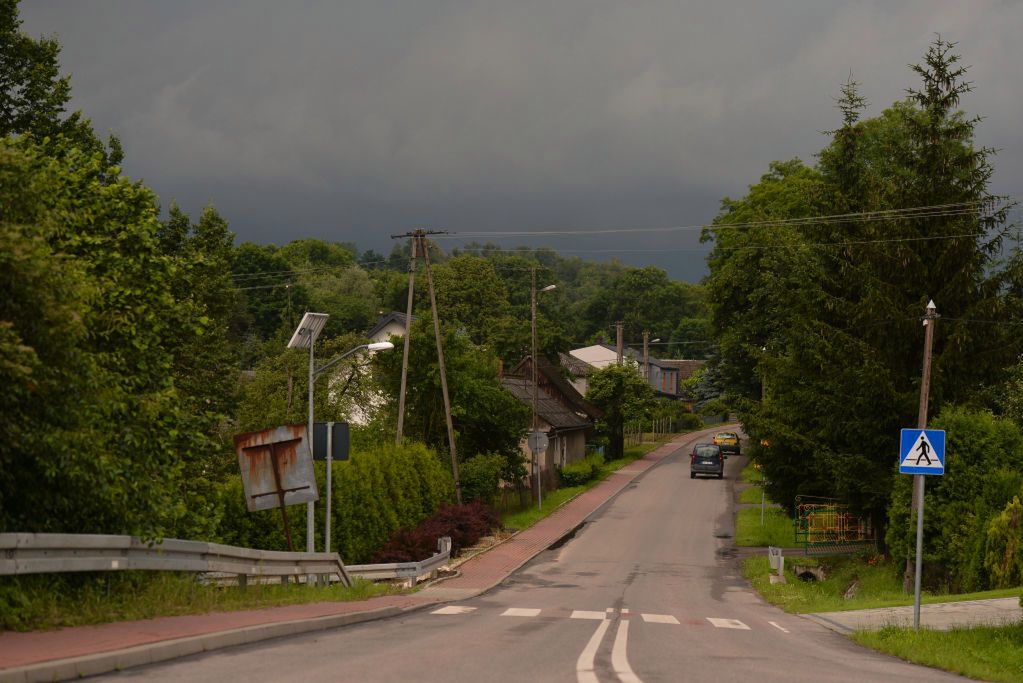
(477, 574)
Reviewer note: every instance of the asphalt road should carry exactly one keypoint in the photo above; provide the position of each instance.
(645, 591)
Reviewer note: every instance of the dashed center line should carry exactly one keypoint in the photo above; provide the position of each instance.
(783, 630)
(453, 609)
(520, 612)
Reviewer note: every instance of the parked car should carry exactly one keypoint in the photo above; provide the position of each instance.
(728, 441)
(706, 458)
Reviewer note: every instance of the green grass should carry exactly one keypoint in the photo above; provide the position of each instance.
(990, 653)
(48, 601)
(751, 474)
(753, 495)
(880, 585)
(776, 529)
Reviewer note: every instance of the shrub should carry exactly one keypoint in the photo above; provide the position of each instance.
(983, 463)
(580, 472)
(465, 524)
(1004, 558)
(688, 421)
(481, 477)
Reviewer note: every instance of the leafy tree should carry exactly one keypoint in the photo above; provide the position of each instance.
(108, 461)
(622, 393)
(487, 419)
(34, 96)
(272, 301)
(821, 318)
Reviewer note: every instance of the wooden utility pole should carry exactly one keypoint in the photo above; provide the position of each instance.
(420, 248)
(912, 576)
(413, 251)
(620, 342)
(443, 373)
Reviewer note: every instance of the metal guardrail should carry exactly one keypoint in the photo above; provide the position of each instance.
(23, 553)
(405, 570)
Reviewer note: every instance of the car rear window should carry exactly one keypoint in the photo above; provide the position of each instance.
(727, 435)
(707, 452)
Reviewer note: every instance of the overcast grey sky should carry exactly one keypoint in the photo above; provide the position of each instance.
(350, 121)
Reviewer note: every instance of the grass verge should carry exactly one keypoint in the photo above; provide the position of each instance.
(878, 584)
(751, 474)
(532, 513)
(48, 601)
(776, 529)
(990, 653)
(753, 495)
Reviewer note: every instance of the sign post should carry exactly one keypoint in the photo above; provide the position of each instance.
(538, 443)
(921, 452)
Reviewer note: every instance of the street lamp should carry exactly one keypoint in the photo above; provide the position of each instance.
(535, 441)
(375, 346)
(304, 338)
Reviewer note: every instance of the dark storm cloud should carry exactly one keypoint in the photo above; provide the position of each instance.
(350, 121)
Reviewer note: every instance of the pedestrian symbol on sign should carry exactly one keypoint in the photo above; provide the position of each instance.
(922, 451)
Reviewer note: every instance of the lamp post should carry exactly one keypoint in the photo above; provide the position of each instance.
(375, 346)
(535, 441)
(304, 338)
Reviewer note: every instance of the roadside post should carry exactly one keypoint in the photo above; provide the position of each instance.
(538, 443)
(921, 452)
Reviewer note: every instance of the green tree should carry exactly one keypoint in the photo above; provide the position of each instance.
(110, 462)
(487, 419)
(623, 395)
(821, 317)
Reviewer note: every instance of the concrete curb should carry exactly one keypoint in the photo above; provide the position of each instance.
(151, 653)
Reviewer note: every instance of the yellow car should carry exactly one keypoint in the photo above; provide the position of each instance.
(728, 442)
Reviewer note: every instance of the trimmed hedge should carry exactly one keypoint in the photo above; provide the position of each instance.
(376, 493)
(580, 472)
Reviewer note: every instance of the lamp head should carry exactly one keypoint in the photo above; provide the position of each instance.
(380, 346)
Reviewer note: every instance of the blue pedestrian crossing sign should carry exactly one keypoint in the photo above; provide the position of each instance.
(922, 451)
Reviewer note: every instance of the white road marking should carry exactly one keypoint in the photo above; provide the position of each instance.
(783, 630)
(619, 658)
(584, 672)
(453, 609)
(520, 612)
(659, 619)
(583, 614)
(728, 623)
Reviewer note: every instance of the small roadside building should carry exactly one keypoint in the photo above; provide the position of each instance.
(561, 411)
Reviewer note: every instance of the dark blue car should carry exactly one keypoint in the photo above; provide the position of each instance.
(706, 458)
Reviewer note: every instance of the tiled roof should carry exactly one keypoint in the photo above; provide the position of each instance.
(575, 366)
(548, 409)
(686, 368)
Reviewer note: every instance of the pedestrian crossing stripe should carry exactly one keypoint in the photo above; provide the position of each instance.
(607, 615)
(922, 451)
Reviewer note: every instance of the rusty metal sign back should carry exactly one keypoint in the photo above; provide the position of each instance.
(276, 467)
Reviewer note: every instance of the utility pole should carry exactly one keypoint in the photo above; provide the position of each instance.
(413, 252)
(646, 355)
(443, 372)
(620, 343)
(929, 321)
(538, 459)
(420, 247)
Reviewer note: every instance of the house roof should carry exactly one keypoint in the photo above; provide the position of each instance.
(385, 320)
(548, 409)
(553, 375)
(686, 368)
(575, 366)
